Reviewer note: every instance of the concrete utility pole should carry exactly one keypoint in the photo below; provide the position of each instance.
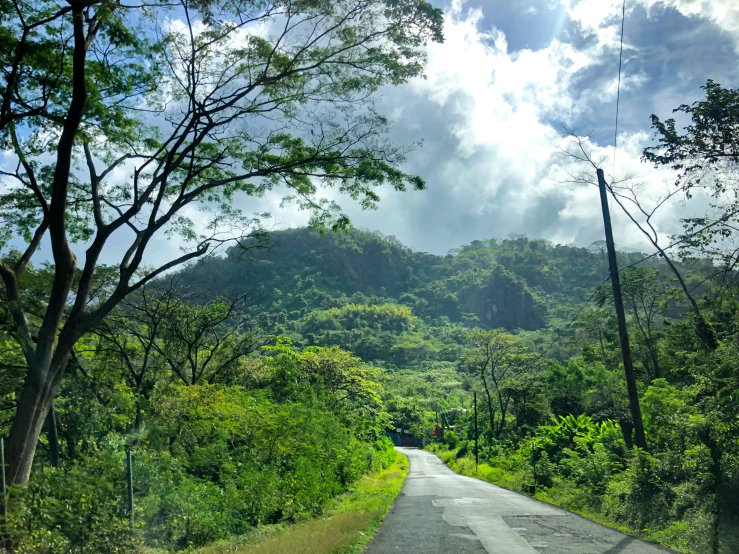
(623, 335)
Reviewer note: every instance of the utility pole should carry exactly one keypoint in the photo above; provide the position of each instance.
(623, 335)
(476, 455)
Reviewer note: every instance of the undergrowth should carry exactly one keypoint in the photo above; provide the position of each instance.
(346, 527)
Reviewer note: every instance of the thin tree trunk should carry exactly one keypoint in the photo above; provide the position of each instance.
(602, 349)
(503, 407)
(137, 422)
(707, 439)
(704, 331)
(491, 412)
(52, 435)
(645, 329)
(655, 361)
(71, 445)
(626, 429)
(503, 411)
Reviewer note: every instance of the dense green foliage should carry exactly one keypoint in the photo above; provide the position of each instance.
(513, 283)
(211, 460)
(365, 351)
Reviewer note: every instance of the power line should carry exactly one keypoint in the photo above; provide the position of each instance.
(618, 88)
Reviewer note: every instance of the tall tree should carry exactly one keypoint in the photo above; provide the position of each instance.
(201, 343)
(127, 121)
(647, 295)
(499, 358)
(705, 156)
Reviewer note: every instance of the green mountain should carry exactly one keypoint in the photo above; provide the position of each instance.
(515, 283)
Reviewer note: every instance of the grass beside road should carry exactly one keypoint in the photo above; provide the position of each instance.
(346, 528)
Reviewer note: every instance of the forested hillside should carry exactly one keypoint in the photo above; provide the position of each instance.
(386, 303)
(341, 336)
(513, 283)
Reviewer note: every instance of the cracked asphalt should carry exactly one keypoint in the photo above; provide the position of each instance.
(439, 511)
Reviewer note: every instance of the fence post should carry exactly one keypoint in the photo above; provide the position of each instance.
(129, 479)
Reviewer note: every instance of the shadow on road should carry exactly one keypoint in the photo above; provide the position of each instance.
(622, 544)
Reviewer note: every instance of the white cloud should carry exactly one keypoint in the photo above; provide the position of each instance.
(603, 17)
(722, 13)
(507, 102)
(597, 17)
(489, 118)
(494, 112)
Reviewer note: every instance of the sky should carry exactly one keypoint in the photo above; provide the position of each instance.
(493, 107)
(500, 90)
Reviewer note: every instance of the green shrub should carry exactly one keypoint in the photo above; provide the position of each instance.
(592, 469)
(451, 439)
(543, 470)
(383, 454)
(636, 497)
(218, 461)
(78, 509)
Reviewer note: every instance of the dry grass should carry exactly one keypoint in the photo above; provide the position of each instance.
(345, 529)
(320, 536)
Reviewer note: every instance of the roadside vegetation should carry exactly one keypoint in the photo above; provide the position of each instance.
(589, 472)
(286, 434)
(346, 527)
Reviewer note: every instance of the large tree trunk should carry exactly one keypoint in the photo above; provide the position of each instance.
(32, 409)
(47, 363)
(35, 402)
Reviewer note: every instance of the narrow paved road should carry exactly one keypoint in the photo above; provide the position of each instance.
(439, 511)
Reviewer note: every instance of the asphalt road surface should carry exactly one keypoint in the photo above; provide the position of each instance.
(439, 511)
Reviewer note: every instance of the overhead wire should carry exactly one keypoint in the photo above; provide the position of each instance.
(613, 173)
(618, 87)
